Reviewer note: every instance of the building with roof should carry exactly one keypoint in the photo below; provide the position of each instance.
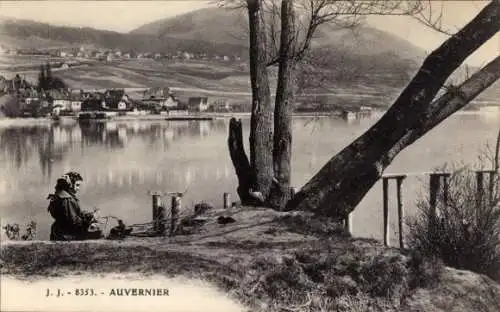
(198, 104)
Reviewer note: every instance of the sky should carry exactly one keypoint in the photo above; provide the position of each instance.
(123, 16)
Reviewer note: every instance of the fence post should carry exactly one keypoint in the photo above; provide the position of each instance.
(162, 216)
(434, 187)
(227, 200)
(479, 187)
(156, 203)
(446, 187)
(176, 206)
(385, 188)
(491, 185)
(480, 193)
(348, 223)
(399, 181)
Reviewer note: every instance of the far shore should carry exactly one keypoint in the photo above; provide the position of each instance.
(201, 116)
(196, 116)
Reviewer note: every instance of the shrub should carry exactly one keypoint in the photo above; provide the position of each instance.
(464, 231)
(11, 107)
(13, 231)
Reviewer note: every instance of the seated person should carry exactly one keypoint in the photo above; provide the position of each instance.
(71, 223)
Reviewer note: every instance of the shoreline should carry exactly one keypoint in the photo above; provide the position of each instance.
(204, 116)
(6, 121)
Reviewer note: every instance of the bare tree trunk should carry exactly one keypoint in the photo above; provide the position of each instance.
(261, 124)
(244, 172)
(283, 109)
(256, 175)
(342, 183)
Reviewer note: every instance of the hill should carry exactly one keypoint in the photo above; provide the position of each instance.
(225, 26)
(18, 33)
(356, 59)
(211, 30)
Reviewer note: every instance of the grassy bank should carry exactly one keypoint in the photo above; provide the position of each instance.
(271, 261)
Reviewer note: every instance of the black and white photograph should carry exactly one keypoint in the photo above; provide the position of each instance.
(250, 156)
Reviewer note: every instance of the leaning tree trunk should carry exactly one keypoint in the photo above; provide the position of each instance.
(283, 109)
(497, 152)
(258, 175)
(342, 183)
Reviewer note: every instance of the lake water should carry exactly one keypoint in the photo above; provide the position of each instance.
(122, 161)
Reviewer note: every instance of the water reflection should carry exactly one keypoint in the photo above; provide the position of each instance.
(53, 143)
(122, 161)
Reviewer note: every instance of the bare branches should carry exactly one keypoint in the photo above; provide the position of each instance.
(344, 14)
(430, 18)
(313, 15)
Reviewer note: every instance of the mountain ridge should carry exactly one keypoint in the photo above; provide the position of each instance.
(230, 26)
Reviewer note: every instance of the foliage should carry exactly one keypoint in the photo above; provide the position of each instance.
(46, 81)
(465, 230)
(322, 278)
(11, 107)
(13, 231)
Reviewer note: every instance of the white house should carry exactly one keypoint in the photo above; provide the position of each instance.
(116, 100)
(59, 98)
(221, 105)
(198, 104)
(76, 105)
(56, 110)
(65, 103)
(170, 102)
(30, 100)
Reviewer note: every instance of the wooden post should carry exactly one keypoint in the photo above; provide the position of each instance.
(479, 193)
(156, 201)
(491, 185)
(162, 216)
(227, 200)
(348, 223)
(479, 186)
(175, 209)
(385, 188)
(434, 187)
(446, 187)
(399, 181)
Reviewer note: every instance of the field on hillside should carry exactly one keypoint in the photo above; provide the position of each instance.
(227, 80)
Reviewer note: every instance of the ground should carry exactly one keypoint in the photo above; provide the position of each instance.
(270, 261)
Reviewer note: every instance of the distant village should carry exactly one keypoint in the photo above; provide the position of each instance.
(64, 101)
(32, 102)
(110, 55)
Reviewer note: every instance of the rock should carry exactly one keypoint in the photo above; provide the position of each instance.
(202, 208)
(225, 220)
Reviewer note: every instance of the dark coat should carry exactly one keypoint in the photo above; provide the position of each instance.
(71, 223)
